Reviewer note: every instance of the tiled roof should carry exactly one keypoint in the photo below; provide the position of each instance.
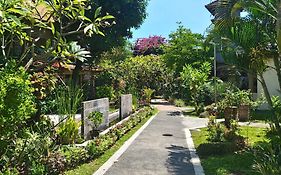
(212, 7)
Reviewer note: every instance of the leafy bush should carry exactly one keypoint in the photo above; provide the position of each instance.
(98, 146)
(268, 160)
(27, 154)
(105, 92)
(135, 103)
(68, 131)
(219, 133)
(16, 104)
(232, 135)
(145, 72)
(96, 117)
(68, 100)
(236, 98)
(179, 103)
(216, 148)
(193, 80)
(147, 94)
(74, 156)
(55, 163)
(215, 130)
(268, 157)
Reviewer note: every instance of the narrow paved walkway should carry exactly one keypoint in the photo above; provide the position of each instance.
(161, 149)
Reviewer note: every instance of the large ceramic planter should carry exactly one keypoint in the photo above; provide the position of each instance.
(244, 113)
(230, 113)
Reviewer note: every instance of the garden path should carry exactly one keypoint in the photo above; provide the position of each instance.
(162, 148)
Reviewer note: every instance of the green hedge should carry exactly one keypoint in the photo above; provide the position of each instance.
(78, 155)
(216, 148)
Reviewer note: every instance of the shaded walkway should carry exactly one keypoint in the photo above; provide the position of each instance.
(161, 149)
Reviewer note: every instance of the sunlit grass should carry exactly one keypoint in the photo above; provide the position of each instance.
(239, 163)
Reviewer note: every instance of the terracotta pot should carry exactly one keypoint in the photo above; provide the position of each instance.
(230, 113)
(244, 113)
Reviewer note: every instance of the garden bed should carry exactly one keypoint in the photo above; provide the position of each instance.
(230, 161)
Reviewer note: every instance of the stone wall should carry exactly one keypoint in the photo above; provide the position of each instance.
(100, 105)
(125, 106)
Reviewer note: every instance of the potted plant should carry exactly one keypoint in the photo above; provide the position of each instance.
(96, 118)
(245, 104)
(236, 105)
(228, 106)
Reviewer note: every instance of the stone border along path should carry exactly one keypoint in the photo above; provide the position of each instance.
(163, 146)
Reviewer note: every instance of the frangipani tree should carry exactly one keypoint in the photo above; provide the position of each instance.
(40, 30)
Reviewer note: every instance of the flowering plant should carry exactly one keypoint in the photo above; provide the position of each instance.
(150, 45)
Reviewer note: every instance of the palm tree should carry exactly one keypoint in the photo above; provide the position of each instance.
(258, 35)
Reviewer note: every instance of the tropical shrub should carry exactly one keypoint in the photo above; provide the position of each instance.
(135, 103)
(147, 95)
(185, 48)
(68, 131)
(218, 133)
(55, 163)
(73, 155)
(98, 146)
(267, 160)
(116, 54)
(216, 148)
(138, 73)
(268, 156)
(68, 100)
(44, 82)
(215, 130)
(105, 92)
(16, 104)
(193, 80)
(27, 154)
(179, 102)
(96, 117)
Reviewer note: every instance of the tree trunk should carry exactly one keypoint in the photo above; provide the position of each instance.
(277, 67)
(269, 101)
(76, 73)
(92, 88)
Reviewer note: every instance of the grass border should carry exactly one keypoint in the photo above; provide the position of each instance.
(94, 165)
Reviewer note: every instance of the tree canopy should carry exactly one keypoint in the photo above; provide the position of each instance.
(41, 30)
(184, 47)
(128, 14)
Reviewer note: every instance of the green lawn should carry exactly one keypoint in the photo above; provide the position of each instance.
(90, 168)
(239, 163)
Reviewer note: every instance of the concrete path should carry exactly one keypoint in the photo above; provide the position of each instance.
(161, 149)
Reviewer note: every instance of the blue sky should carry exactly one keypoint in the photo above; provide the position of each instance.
(163, 16)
